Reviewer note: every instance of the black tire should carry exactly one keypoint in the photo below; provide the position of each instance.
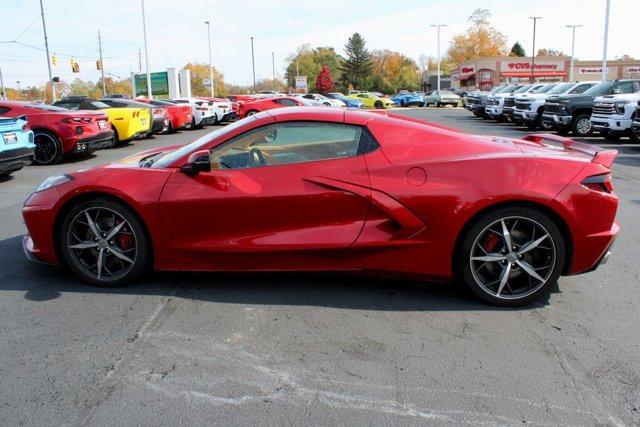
(464, 267)
(116, 138)
(634, 136)
(326, 104)
(48, 148)
(378, 105)
(143, 249)
(578, 126)
(438, 105)
(170, 128)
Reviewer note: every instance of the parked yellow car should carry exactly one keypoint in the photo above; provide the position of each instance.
(371, 101)
(128, 123)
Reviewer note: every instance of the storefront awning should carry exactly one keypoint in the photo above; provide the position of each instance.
(535, 74)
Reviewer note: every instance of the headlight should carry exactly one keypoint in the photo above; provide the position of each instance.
(54, 181)
(620, 107)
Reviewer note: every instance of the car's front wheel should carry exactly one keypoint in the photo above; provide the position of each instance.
(104, 242)
(582, 125)
(511, 256)
(378, 104)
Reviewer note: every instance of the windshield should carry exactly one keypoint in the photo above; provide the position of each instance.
(99, 104)
(171, 157)
(561, 88)
(544, 89)
(599, 89)
(523, 89)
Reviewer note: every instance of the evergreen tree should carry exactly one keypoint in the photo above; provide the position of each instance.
(324, 82)
(357, 66)
(517, 50)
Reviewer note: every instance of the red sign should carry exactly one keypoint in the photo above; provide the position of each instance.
(466, 70)
(527, 66)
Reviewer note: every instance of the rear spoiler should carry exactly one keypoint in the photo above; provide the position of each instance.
(599, 155)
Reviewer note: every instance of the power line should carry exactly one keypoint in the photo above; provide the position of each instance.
(27, 29)
(66, 54)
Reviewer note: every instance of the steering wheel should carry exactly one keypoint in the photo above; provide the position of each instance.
(257, 157)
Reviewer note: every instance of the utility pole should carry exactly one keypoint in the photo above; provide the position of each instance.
(46, 48)
(3, 94)
(253, 64)
(437, 26)
(146, 53)
(210, 62)
(273, 65)
(104, 86)
(533, 47)
(19, 91)
(573, 47)
(139, 60)
(606, 41)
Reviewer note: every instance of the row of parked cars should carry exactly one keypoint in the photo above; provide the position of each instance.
(611, 108)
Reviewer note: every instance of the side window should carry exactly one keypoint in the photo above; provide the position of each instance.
(309, 97)
(4, 110)
(68, 105)
(636, 86)
(580, 88)
(289, 102)
(288, 143)
(624, 87)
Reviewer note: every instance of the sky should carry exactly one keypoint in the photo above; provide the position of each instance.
(177, 33)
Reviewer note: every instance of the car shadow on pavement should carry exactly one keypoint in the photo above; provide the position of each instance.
(44, 283)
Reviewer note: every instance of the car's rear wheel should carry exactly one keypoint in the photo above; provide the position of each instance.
(48, 148)
(104, 243)
(511, 256)
(378, 104)
(582, 125)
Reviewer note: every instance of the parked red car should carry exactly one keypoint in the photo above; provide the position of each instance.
(179, 115)
(58, 131)
(323, 189)
(250, 108)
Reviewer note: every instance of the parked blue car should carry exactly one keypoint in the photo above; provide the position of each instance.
(351, 103)
(16, 144)
(406, 99)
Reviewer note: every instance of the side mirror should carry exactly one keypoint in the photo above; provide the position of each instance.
(197, 162)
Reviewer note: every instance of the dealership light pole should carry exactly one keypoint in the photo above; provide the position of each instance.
(146, 53)
(273, 65)
(19, 90)
(210, 62)
(46, 48)
(3, 95)
(438, 27)
(253, 64)
(573, 47)
(606, 41)
(533, 47)
(104, 86)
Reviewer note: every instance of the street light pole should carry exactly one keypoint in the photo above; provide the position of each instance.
(573, 47)
(211, 83)
(273, 65)
(146, 52)
(253, 64)
(533, 46)
(19, 91)
(606, 41)
(438, 28)
(46, 48)
(3, 95)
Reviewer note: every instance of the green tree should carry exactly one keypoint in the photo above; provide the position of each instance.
(309, 62)
(357, 66)
(199, 72)
(517, 50)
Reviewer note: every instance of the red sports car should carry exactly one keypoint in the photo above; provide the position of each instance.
(252, 107)
(320, 189)
(58, 131)
(179, 116)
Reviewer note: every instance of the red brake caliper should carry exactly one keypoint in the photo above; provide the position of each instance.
(490, 242)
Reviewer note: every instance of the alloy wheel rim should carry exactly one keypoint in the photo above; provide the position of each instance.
(584, 126)
(512, 257)
(45, 148)
(102, 243)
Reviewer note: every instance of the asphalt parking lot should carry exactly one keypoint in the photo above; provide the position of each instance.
(315, 349)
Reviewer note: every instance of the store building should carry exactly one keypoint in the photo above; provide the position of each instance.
(485, 73)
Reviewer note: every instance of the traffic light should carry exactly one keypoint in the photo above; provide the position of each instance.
(99, 65)
(75, 67)
(54, 60)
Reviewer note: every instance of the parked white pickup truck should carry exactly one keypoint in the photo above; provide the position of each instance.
(529, 108)
(613, 115)
(635, 127)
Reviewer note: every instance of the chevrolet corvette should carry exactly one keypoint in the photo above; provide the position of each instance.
(315, 189)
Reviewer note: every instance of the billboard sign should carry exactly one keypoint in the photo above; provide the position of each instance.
(301, 83)
(159, 83)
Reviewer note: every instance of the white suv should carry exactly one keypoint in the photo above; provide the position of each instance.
(529, 108)
(613, 115)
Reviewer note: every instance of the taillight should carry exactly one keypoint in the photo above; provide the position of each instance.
(158, 111)
(76, 120)
(600, 183)
(25, 127)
